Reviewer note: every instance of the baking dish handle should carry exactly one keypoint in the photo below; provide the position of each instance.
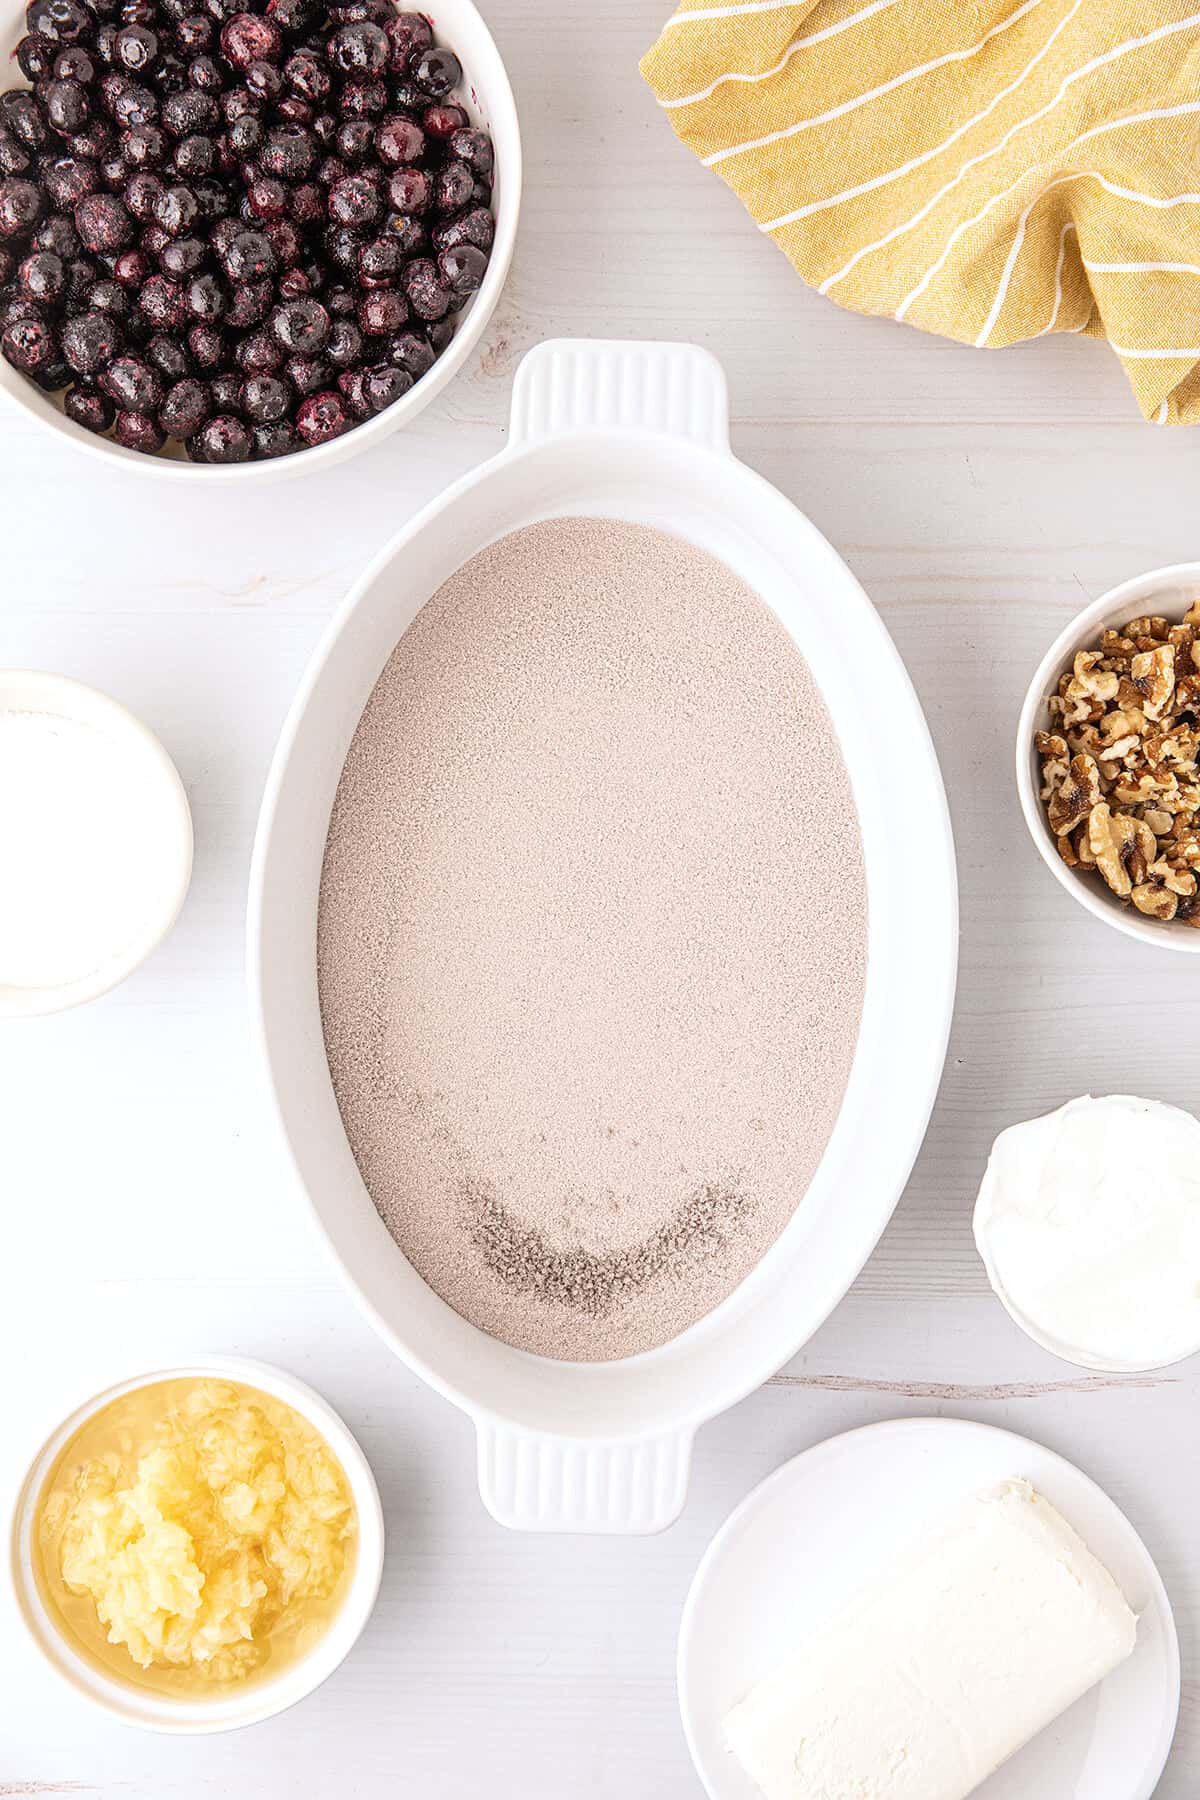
(571, 385)
(532, 1482)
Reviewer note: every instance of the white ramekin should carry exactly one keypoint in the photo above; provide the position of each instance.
(1038, 1331)
(488, 95)
(1168, 592)
(161, 1712)
(32, 690)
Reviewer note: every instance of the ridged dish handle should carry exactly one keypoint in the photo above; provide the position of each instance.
(531, 1482)
(569, 385)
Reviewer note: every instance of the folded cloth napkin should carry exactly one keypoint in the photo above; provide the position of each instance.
(987, 169)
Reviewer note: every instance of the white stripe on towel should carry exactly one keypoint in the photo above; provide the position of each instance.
(1141, 268)
(1141, 355)
(762, 6)
(1063, 235)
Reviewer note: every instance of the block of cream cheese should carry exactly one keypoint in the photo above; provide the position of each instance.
(945, 1668)
(1089, 1223)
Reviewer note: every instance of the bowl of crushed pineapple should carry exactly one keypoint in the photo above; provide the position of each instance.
(198, 1548)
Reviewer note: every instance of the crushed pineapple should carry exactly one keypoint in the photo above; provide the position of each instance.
(198, 1530)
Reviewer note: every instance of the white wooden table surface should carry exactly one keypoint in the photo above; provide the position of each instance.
(981, 498)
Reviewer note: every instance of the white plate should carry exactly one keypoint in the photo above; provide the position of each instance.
(822, 1527)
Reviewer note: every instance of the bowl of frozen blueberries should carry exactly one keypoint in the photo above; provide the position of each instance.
(247, 237)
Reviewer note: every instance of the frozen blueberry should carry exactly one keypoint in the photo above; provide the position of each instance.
(300, 327)
(139, 431)
(276, 440)
(103, 224)
(437, 72)
(20, 206)
(225, 439)
(42, 278)
(185, 408)
(383, 384)
(29, 345)
(249, 38)
(90, 408)
(410, 350)
(462, 268)
(132, 384)
(321, 417)
(90, 341)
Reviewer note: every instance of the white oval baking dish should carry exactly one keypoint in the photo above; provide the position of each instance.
(640, 432)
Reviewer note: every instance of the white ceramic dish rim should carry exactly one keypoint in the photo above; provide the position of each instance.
(163, 1713)
(880, 1432)
(459, 24)
(35, 690)
(556, 1438)
(1113, 608)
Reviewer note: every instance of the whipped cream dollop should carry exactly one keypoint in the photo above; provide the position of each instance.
(1089, 1223)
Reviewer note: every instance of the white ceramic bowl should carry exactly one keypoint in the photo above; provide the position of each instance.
(1168, 592)
(160, 1712)
(488, 97)
(640, 432)
(29, 690)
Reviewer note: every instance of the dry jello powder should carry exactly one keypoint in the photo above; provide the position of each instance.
(592, 937)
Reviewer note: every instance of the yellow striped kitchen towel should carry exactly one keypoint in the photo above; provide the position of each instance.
(988, 169)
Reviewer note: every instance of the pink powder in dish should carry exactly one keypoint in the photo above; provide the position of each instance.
(592, 937)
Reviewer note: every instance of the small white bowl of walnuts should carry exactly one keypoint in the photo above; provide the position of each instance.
(1108, 757)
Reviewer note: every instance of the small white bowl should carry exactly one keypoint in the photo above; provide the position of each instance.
(488, 97)
(1168, 592)
(161, 1712)
(30, 690)
(1017, 1161)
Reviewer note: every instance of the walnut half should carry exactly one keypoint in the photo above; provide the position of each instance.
(1124, 848)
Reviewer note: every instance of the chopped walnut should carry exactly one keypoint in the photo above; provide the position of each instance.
(1179, 881)
(1156, 629)
(1183, 846)
(1120, 765)
(1119, 734)
(1142, 791)
(1077, 794)
(1182, 639)
(1153, 675)
(1156, 902)
(1092, 678)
